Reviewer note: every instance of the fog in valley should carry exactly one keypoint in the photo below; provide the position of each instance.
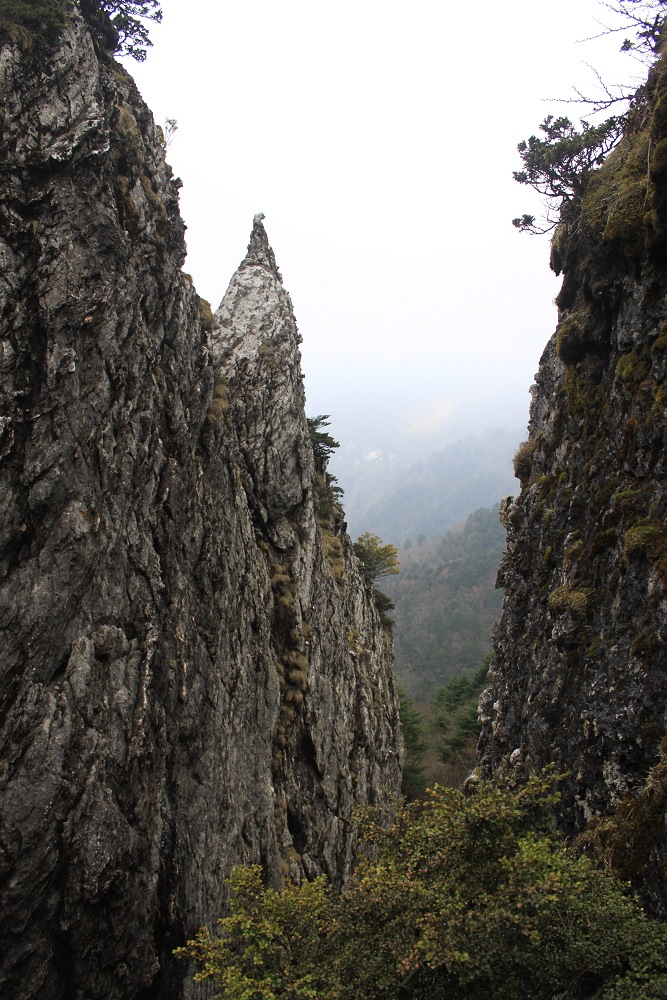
(380, 143)
(418, 449)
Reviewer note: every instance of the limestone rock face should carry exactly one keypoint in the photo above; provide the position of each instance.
(580, 673)
(192, 673)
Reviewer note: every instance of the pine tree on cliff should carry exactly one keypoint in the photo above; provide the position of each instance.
(117, 25)
(559, 164)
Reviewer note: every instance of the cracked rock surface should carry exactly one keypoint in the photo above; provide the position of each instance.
(192, 673)
(579, 678)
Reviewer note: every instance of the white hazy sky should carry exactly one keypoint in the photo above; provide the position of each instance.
(379, 139)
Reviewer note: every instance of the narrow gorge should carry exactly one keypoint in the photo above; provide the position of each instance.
(193, 672)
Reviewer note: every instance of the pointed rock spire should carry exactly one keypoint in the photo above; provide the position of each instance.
(259, 251)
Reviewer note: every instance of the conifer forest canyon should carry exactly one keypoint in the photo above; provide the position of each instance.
(202, 741)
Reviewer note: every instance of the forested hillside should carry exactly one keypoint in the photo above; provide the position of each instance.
(446, 603)
(401, 499)
(441, 737)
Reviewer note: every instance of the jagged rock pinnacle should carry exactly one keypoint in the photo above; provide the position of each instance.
(112, 695)
(259, 250)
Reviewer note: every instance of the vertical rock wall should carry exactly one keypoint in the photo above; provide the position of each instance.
(192, 673)
(580, 673)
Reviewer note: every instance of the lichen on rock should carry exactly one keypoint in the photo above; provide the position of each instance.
(580, 671)
(177, 692)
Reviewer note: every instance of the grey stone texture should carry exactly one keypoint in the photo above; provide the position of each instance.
(579, 678)
(192, 671)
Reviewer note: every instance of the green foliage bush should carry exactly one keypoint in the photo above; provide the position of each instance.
(271, 945)
(377, 560)
(454, 898)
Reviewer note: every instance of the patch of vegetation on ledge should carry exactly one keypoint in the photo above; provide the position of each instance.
(578, 601)
(23, 21)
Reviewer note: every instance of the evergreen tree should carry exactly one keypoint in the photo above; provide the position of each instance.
(118, 24)
(414, 774)
(454, 722)
(322, 442)
(559, 165)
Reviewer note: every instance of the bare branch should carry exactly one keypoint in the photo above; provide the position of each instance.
(560, 164)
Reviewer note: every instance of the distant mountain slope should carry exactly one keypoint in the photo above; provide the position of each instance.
(433, 495)
(446, 603)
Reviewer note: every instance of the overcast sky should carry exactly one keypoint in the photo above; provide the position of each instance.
(379, 139)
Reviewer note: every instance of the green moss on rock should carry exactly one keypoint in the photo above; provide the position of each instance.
(616, 200)
(574, 552)
(644, 643)
(572, 339)
(632, 368)
(641, 539)
(570, 600)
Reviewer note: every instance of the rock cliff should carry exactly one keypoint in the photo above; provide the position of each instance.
(580, 672)
(192, 672)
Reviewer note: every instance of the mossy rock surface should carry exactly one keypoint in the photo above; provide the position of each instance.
(523, 459)
(632, 368)
(573, 339)
(571, 600)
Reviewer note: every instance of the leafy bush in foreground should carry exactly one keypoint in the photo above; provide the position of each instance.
(453, 898)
